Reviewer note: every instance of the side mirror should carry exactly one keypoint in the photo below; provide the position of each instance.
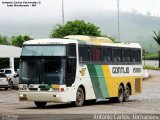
(17, 75)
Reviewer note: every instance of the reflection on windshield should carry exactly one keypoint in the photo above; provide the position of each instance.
(46, 71)
(52, 70)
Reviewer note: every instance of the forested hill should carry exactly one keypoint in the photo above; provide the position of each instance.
(133, 27)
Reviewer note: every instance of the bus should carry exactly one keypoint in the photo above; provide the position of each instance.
(77, 69)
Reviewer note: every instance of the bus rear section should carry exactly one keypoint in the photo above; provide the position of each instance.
(115, 70)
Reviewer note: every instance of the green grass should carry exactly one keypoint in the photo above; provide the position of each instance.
(151, 67)
(151, 56)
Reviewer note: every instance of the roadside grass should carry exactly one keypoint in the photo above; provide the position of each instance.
(151, 56)
(151, 67)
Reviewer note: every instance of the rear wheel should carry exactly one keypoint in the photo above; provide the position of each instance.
(79, 97)
(120, 94)
(40, 104)
(126, 94)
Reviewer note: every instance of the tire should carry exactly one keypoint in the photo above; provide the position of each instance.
(40, 104)
(120, 94)
(79, 97)
(6, 88)
(11, 84)
(126, 94)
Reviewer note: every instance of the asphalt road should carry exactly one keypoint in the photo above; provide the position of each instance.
(148, 102)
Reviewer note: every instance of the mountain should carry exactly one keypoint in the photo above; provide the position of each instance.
(133, 27)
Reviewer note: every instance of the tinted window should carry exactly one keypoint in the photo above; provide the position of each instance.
(126, 55)
(95, 54)
(87, 53)
(72, 50)
(8, 71)
(117, 55)
(107, 54)
(81, 54)
(135, 56)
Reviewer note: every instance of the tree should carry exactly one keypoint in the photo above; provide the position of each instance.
(77, 27)
(4, 40)
(18, 40)
(157, 39)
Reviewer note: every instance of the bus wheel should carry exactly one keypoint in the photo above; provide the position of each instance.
(40, 104)
(120, 94)
(79, 97)
(126, 94)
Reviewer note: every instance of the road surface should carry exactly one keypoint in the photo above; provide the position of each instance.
(148, 102)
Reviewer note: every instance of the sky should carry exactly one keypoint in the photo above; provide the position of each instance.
(49, 8)
(51, 11)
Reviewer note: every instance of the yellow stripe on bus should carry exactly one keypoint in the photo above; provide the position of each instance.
(113, 83)
(55, 86)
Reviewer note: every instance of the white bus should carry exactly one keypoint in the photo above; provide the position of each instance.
(76, 69)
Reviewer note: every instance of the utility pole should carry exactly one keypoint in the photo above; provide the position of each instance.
(119, 38)
(159, 57)
(62, 12)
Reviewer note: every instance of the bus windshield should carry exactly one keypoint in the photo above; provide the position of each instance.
(42, 71)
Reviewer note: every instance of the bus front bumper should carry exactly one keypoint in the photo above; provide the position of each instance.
(44, 96)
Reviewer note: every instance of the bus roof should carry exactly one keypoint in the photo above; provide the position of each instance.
(92, 39)
(79, 41)
(50, 41)
(102, 41)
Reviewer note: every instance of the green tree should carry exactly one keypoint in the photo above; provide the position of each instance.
(18, 40)
(77, 27)
(4, 40)
(157, 39)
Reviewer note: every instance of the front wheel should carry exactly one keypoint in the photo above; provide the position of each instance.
(40, 104)
(6, 88)
(79, 97)
(11, 84)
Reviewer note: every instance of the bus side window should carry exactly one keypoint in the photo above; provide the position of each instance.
(117, 55)
(87, 53)
(71, 65)
(107, 54)
(136, 55)
(81, 54)
(70, 71)
(126, 55)
(95, 54)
